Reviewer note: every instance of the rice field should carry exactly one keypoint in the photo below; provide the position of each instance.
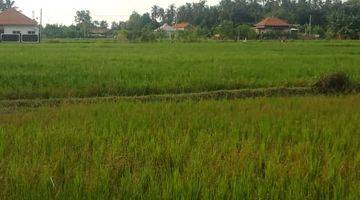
(218, 121)
(92, 69)
(262, 148)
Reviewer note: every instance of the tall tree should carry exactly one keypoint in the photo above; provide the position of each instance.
(157, 14)
(103, 24)
(2, 5)
(226, 9)
(96, 23)
(170, 14)
(184, 13)
(135, 22)
(226, 30)
(345, 20)
(83, 20)
(9, 4)
(6, 4)
(83, 17)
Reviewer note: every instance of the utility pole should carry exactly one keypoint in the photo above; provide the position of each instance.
(310, 25)
(84, 29)
(40, 26)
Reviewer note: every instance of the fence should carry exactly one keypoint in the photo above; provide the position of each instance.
(19, 38)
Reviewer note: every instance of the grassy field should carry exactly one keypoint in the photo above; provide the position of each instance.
(237, 143)
(263, 148)
(101, 69)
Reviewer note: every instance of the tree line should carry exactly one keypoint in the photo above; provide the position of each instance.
(229, 18)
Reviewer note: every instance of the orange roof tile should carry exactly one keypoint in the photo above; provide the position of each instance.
(13, 17)
(181, 25)
(273, 22)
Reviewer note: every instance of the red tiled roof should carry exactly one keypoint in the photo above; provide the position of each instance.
(273, 22)
(181, 25)
(13, 17)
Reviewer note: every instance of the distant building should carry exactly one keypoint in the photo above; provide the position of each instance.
(98, 32)
(15, 26)
(272, 24)
(181, 26)
(167, 29)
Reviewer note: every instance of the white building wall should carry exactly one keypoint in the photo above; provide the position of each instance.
(23, 29)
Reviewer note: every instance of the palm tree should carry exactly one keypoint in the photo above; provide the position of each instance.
(155, 12)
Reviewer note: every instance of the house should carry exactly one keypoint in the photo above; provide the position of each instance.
(99, 32)
(167, 29)
(270, 24)
(15, 26)
(181, 26)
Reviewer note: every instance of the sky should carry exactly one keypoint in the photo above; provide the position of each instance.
(63, 12)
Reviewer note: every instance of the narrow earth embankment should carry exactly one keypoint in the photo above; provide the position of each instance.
(221, 94)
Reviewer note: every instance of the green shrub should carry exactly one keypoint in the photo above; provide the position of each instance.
(191, 35)
(245, 32)
(335, 82)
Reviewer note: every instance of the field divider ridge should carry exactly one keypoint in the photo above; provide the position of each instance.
(220, 94)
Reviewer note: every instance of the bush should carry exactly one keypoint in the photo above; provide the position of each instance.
(161, 35)
(190, 35)
(245, 32)
(121, 36)
(226, 30)
(147, 35)
(336, 82)
(329, 34)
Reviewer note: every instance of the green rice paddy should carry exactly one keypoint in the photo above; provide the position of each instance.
(187, 146)
(264, 148)
(113, 69)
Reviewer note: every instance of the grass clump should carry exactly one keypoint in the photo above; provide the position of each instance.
(333, 83)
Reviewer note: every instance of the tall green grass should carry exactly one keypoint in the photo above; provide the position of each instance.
(265, 148)
(102, 68)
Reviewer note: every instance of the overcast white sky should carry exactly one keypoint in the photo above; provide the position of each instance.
(63, 12)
